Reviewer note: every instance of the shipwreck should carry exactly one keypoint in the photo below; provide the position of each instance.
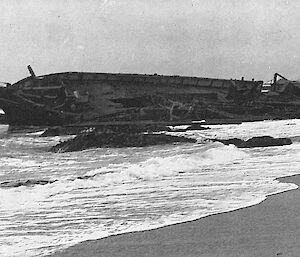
(79, 98)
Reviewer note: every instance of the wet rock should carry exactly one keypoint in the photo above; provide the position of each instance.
(197, 126)
(28, 182)
(86, 176)
(95, 140)
(263, 141)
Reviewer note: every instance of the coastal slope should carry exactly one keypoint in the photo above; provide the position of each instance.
(271, 228)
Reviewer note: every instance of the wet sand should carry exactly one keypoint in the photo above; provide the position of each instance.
(271, 228)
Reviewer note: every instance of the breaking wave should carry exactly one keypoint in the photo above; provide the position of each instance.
(211, 154)
(155, 167)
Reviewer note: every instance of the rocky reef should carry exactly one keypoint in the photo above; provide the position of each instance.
(262, 141)
(95, 139)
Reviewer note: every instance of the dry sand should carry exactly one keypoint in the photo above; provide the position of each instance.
(271, 228)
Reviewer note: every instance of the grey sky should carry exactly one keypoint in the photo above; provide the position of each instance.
(213, 38)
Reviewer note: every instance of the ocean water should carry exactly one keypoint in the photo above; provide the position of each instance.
(101, 192)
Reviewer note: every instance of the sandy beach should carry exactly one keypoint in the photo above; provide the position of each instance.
(271, 228)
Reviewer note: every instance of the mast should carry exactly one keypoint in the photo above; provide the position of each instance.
(31, 71)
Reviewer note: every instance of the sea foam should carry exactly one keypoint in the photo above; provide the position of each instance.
(102, 192)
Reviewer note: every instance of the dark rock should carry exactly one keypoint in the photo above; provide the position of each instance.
(197, 126)
(263, 141)
(28, 182)
(95, 140)
(86, 176)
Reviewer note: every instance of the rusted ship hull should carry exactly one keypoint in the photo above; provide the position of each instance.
(79, 97)
(22, 114)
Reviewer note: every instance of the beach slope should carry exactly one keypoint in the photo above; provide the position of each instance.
(271, 228)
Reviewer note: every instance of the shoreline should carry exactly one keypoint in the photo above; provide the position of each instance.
(270, 228)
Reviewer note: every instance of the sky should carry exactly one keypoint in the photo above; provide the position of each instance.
(203, 38)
